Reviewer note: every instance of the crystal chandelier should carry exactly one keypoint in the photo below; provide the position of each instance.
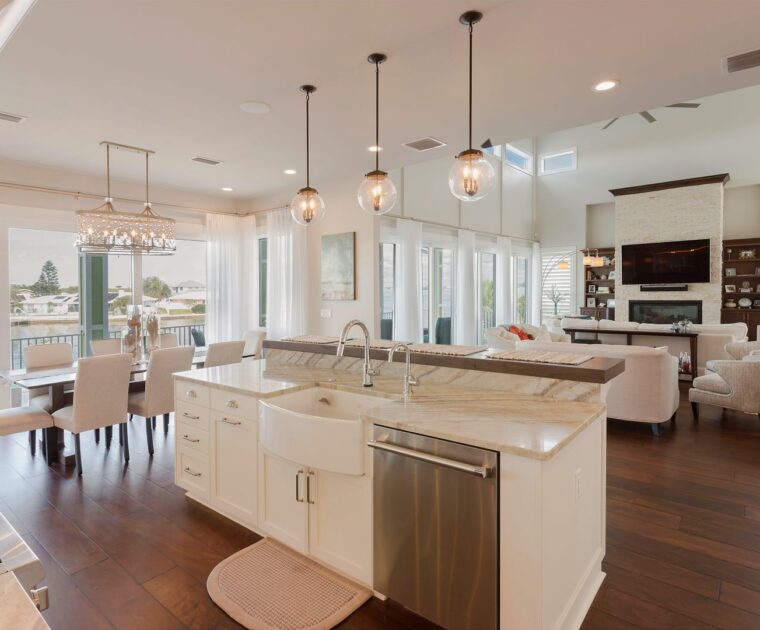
(108, 231)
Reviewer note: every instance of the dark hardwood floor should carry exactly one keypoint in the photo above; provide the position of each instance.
(123, 548)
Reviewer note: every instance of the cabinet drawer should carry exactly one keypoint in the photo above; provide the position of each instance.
(191, 392)
(191, 414)
(192, 471)
(190, 436)
(237, 404)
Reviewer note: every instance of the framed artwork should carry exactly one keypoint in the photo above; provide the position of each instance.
(757, 271)
(592, 288)
(730, 272)
(730, 288)
(612, 275)
(756, 304)
(747, 254)
(338, 267)
(603, 290)
(591, 302)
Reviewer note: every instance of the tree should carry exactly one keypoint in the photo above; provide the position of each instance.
(156, 288)
(119, 305)
(198, 309)
(47, 283)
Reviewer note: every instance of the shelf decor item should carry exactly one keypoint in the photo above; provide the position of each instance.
(730, 303)
(745, 303)
(307, 206)
(611, 303)
(746, 287)
(730, 272)
(730, 288)
(611, 275)
(131, 334)
(471, 176)
(747, 254)
(377, 193)
(603, 290)
(592, 288)
(590, 302)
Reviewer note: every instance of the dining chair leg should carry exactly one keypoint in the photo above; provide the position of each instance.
(153, 420)
(97, 436)
(109, 436)
(125, 446)
(166, 424)
(122, 431)
(78, 451)
(44, 443)
(32, 441)
(149, 433)
(130, 416)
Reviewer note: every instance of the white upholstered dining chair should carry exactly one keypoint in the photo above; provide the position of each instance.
(46, 356)
(100, 399)
(254, 340)
(168, 340)
(158, 397)
(224, 353)
(101, 347)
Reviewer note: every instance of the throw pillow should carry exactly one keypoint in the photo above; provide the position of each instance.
(520, 333)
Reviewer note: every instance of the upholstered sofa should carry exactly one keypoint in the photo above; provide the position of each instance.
(711, 342)
(647, 391)
(500, 338)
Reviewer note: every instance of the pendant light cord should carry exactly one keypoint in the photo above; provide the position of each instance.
(470, 120)
(147, 187)
(377, 115)
(108, 171)
(307, 139)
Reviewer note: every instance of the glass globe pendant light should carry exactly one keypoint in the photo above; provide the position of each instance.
(471, 176)
(307, 206)
(377, 194)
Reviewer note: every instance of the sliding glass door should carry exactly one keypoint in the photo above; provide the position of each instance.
(387, 289)
(437, 287)
(486, 293)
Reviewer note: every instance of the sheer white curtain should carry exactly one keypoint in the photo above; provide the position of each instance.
(465, 312)
(408, 322)
(230, 281)
(535, 286)
(503, 280)
(287, 271)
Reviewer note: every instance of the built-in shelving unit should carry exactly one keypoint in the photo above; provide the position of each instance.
(596, 277)
(741, 270)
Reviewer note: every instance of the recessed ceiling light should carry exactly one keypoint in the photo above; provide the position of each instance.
(227, 189)
(607, 84)
(255, 107)
(289, 171)
(374, 148)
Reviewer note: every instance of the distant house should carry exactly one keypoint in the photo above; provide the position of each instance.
(183, 301)
(186, 285)
(62, 304)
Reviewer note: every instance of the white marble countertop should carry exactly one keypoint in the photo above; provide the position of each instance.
(530, 426)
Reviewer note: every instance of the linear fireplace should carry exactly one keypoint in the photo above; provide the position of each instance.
(664, 311)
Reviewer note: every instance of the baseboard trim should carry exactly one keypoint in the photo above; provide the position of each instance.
(580, 603)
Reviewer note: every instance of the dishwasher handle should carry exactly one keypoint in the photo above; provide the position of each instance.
(480, 471)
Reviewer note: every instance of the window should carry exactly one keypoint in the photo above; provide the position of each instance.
(518, 159)
(439, 291)
(520, 274)
(495, 150)
(425, 289)
(486, 293)
(262, 282)
(560, 162)
(557, 281)
(387, 289)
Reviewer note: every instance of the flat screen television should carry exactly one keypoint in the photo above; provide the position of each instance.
(674, 262)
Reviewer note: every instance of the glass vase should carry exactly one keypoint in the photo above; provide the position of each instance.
(152, 335)
(132, 334)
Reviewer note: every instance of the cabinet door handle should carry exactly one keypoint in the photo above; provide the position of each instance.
(191, 416)
(190, 472)
(298, 486)
(189, 439)
(308, 487)
(232, 404)
(234, 423)
(191, 393)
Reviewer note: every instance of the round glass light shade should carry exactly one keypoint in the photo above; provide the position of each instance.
(307, 206)
(471, 176)
(377, 193)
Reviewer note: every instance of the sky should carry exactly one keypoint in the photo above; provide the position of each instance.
(29, 249)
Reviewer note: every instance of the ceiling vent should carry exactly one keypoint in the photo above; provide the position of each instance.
(425, 144)
(12, 117)
(209, 161)
(743, 61)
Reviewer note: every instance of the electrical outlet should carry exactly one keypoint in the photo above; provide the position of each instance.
(577, 486)
(326, 313)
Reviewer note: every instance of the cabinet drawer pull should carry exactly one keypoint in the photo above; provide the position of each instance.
(191, 393)
(298, 486)
(309, 477)
(234, 423)
(189, 439)
(232, 404)
(191, 416)
(190, 472)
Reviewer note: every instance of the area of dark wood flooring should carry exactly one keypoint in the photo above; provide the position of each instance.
(123, 548)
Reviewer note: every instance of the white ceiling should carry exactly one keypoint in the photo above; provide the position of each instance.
(170, 74)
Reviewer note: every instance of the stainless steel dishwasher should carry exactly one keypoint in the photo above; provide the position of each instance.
(436, 541)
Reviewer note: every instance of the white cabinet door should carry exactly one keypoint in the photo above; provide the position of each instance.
(282, 500)
(234, 466)
(340, 522)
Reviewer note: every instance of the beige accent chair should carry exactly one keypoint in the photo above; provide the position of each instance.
(254, 340)
(100, 399)
(46, 356)
(224, 353)
(101, 347)
(21, 419)
(733, 385)
(168, 340)
(158, 397)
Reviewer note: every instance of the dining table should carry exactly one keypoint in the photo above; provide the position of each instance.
(59, 382)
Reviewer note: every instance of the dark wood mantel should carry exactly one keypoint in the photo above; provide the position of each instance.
(721, 178)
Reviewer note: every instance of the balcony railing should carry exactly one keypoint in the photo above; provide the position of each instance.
(184, 338)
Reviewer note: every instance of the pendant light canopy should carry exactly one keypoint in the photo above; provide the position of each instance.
(471, 176)
(107, 231)
(307, 206)
(377, 193)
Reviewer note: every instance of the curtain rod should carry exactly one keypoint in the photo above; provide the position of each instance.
(454, 227)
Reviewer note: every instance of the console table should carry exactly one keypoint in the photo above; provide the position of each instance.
(629, 334)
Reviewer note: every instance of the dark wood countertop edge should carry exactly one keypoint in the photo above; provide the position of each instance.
(597, 370)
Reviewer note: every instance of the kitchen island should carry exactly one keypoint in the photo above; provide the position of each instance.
(281, 446)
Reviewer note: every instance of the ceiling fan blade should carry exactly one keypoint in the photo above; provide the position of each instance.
(647, 116)
(487, 144)
(609, 123)
(685, 105)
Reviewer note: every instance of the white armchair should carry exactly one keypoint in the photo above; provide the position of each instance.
(733, 385)
(500, 338)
